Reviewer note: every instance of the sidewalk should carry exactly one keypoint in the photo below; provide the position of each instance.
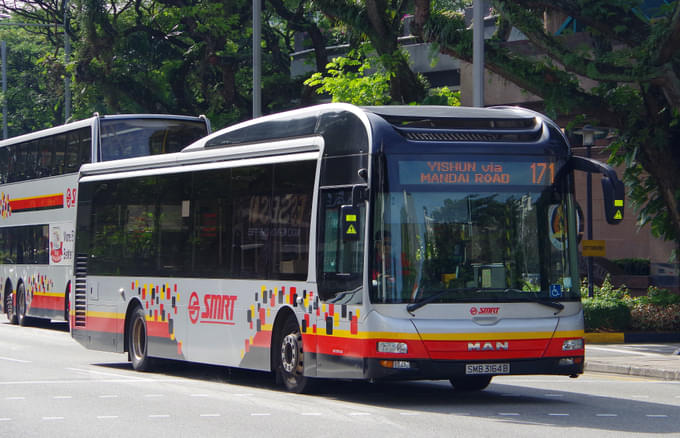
(651, 357)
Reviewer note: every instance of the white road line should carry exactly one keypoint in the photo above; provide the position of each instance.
(106, 417)
(159, 416)
(311, 414)
(409, 414)
(15, 398)
(199, 395)
(555, 414)
(656, 416)
(359, 414)
(509, 414)
(5, 419)
(108, 396)
(11, 359)
(619, 350)
(210, 415)
(52, 418)
(606, 415)
(62, 397)
(259, 414)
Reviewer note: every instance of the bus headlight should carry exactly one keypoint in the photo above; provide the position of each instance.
(392, 347)
(572, 344)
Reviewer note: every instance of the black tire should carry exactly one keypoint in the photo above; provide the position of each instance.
(471, 383)
(290, 358)
(22, 319)
(10, 311)
(138, 341)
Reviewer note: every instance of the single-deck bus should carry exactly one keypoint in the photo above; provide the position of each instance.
(38, 195)
(343, 242)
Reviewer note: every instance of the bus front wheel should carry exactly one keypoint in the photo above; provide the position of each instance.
(138, 341)
(470, 383)
(291, 362)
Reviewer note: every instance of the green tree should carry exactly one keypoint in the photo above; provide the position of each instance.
(631, 55)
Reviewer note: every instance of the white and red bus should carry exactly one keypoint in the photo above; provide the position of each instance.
(343, 242)
(38, 196)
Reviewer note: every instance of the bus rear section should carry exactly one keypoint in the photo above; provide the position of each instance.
(39, 193)
(343, 242)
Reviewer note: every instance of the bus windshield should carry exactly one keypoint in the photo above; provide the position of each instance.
(138, 137)
(471, 230)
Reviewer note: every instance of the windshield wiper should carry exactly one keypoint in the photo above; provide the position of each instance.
(427, 300)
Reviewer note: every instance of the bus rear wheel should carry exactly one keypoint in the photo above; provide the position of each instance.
(22, 319)
(470, 383)
(291, 363)
(138, 341)
(10, 310)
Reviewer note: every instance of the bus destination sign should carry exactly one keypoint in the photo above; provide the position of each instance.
(476, 172)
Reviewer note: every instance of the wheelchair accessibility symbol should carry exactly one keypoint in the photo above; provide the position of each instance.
(555, 291)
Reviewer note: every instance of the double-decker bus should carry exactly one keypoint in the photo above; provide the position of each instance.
(342, 242)
(38, 196)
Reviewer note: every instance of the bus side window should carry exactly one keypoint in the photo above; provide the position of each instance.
(46, 157)
(59, 155)
(340, 262)
(72, 152)
(31, 164)
(4, 165)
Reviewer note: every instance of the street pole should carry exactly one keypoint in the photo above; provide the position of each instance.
(478, 53)
(257, 58)
(67, 59)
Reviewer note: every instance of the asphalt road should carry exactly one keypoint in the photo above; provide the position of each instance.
(52, 386)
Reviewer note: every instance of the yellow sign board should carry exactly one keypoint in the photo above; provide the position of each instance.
(593, 248)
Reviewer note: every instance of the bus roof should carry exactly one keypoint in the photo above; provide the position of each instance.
(88, 121)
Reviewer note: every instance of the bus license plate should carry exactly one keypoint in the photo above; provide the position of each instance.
(487, 368)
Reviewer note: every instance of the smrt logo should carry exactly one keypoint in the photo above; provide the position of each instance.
(484, 310)
(216, 309)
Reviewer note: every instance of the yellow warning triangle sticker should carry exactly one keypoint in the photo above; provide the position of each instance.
(351, 230)
(618, 215)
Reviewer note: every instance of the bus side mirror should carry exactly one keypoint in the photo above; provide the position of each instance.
(613, 192)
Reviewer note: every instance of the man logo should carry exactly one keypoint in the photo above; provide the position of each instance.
(488, 346)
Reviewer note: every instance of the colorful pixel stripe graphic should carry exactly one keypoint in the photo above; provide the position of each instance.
(45, 202)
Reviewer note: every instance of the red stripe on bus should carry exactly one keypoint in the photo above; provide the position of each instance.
(47, 302)
(48, 201)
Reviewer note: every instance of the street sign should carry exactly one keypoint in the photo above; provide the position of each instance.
(593, 248)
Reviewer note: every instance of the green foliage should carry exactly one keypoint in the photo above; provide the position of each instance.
(354, 79)
(633, 266)
(604, 314)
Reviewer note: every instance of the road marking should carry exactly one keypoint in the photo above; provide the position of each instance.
(554, 414)
(5, 419)
(199, 395)
(409, 414)
(154, 395)
(108, 396)
(618, 350)
(15, 398)
(259, 414)
(210, 415)
(606, 415)
(357, 414)
(106, 417)
(62, 397)
(52, 418)
(508, 414)
(310, 414)
(11, 359)
(656, 415)
(159, 416)
(101, 373)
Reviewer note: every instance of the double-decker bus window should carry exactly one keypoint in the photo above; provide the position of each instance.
(59, 154)
(4, 164)
(46, 157)
(340, 262)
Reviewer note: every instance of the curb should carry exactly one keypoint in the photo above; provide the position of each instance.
(630, 337)
(654, 372)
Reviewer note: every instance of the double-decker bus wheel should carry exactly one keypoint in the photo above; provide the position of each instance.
(138, 341)
(470, 383)
(21, 305)
(9, 308)
(291, 364)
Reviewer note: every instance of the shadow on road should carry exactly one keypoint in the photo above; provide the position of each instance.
(500, 401)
